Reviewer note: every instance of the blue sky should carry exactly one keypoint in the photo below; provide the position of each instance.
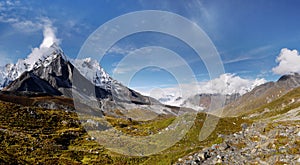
(248, 35)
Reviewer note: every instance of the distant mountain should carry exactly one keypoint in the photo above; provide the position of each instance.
(223, 89)
(204, 101)
(262, 94)
(171, 99)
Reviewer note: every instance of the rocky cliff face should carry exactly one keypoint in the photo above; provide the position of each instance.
(28, 81)
(45, 78)
(34, 60)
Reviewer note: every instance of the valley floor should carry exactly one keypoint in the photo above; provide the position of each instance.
(32, 135)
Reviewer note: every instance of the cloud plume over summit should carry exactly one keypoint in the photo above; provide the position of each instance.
(49, 39)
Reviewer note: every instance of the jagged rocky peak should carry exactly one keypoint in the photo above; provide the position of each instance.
(289, 76)
(48, 71)
(290, 80)
(42, 56)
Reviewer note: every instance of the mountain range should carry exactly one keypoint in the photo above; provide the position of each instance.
(52, 73)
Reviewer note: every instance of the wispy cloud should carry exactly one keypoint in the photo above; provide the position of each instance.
(27, 26)
(74, 26)
(15, 14)
(121, 50)
(238, 59)
(251, 55)
(152, 56)
(5, 58)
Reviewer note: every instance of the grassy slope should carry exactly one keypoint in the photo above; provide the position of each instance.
(30, 101)
(278, 106)
(254, 99)
(32, 135)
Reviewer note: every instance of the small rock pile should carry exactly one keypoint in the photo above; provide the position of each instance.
(255, 144)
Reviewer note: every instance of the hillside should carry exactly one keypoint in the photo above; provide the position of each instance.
(272, 138)
(41, 128)
(30, 135)
(262, 95)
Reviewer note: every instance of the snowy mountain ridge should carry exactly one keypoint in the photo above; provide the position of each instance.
(43, 56)
(225, 84)
(39, 57)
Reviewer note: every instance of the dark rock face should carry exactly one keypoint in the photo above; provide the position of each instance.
(289, 76)
(30, 82)
(45, 79)
(58, 73)
(289, 81)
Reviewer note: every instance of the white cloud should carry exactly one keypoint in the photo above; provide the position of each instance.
(8, 5)
(48, 33)
(26, 25)
(74, 26)
(228, 84)
(49, 36)
(49, 39)
(225, 84)
(289, 61)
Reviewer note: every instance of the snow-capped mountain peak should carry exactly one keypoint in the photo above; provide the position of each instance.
(38, 57)
(43, 56)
